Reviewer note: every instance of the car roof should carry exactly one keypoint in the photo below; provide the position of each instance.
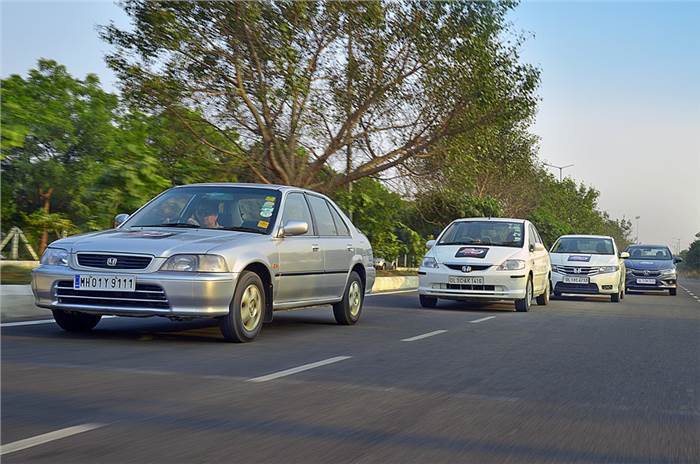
(585, 236)
(248, 185)
(490, 219)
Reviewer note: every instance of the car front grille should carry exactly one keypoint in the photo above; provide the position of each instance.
(645, 273)
(474, 267)
(145, 296)
(482, 288)
(102, 261)
(577, 270)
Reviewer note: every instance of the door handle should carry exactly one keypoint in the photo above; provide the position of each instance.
(314, 248)
(351, 248)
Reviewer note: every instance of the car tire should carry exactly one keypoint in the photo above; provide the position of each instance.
(543, 300)
(615, 297)
(427, 301)
(75, 322)
(348, 310)
(523, 305)
(245, 317)
(672, 291)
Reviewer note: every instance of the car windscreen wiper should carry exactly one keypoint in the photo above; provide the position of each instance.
(173, 224)
(245, 229)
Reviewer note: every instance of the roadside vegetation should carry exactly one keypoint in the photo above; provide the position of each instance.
(690, 267)
(408, 114)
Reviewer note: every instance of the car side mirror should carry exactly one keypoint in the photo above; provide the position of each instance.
(624, 255)
(430, 243)
(292, 228)
(677, 260)
(540, 247)
(120, 219)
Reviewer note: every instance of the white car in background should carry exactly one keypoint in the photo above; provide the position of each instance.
(588, 265)
(486, 259)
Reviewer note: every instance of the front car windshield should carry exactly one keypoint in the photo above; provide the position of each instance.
(210, 207)
(585, 245)
(492, 233)
(650, 252)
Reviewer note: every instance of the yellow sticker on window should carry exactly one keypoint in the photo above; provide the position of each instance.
(270, 198)
(263, 224)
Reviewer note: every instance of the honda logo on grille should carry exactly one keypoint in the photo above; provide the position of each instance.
(466, 269)
(646, 272)
(577, 270)
(111, 261)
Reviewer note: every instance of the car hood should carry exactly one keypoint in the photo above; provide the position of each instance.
(649, 265)
(159, 242)
(583, 259)
(473, 254)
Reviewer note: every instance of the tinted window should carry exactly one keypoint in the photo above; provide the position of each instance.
(496, 233)
(587, 245)
(296, 209)
(339, 223)
(649, 252)
(322, 215)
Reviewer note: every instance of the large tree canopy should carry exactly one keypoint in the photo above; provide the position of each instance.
(325, 93)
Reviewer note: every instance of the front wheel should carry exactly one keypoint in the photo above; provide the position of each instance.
(672, 291)
(75, 322)
(543, 300)
(244, 319)
(523, 305)
(617, 297)
(347, 311)
(427, 301)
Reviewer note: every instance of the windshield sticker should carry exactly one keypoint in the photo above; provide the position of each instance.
(263, 224)
(268, 204)
(266, 213)
(270, 199)
(471, 252)
(584, 259)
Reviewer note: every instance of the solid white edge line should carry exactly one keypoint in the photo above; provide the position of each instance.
(41, 321)
(393, 292)
(475, 321)
(302, 368)
(425, 335)
(47, 437)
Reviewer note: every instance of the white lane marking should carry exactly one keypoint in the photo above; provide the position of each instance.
(426, 335)
(393, 292)
(476, 321)
(41, 321)
(47, 437)
(294, 370)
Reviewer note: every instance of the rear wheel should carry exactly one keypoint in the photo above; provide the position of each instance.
(428, 301)
(348, 310)
(523, 305)
(75, 322)
(543, 300)
(672, 291)
(244, 319)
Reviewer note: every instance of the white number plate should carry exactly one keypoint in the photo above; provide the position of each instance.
(465, 280)
(646, 281)
(576, 280)
(106, 282)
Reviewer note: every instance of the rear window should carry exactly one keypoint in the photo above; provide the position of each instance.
(585, 245)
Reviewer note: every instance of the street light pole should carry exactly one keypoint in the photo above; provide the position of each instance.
(561, 169)
(636, 238)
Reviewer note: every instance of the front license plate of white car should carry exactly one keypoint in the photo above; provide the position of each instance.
(646, 281)
(575, 280)
(460, 280)
(105, 282)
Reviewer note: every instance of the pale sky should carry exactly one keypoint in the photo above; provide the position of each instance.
(620, 93)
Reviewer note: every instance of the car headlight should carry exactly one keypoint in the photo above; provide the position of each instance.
(55, 257)
(608, 269)
(195, 263)
(512, 265)
(628, 271)
(668, 271)
(430, 262)
(555, 268)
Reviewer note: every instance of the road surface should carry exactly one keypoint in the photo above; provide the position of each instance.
(581, 380)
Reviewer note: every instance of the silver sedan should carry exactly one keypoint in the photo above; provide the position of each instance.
(236, 252)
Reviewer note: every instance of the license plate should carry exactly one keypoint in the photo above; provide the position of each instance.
(575, 280)
(465, 280)
(106, 282)
(646, 281)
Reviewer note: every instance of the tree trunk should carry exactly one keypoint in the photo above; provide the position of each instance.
(46, 198)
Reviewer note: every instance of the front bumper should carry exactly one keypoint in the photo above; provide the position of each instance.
(370, 276)
(661, 282)
(599, 284)
(170, 294)
(498, 285)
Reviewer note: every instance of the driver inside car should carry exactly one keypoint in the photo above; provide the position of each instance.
(206, 215)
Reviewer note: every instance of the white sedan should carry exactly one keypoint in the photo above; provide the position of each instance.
(486, 259)
(588, 265)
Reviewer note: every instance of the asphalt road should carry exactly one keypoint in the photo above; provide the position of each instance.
(580, 380)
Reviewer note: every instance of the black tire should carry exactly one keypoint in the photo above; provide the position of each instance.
(427, 301)
(672, 291)
(556, 294)
(543, 300)
(348, 310)
(523, 305)
(75, 322)
(615, 297)
(233, 326)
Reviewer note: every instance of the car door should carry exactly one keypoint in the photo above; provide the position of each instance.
(337, 249)
(300, 272)
(541, 258)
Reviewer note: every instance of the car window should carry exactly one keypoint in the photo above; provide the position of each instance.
(586, 245)
(494, 233)
(647, 252)
(322, 215)
(339, 222)
(531, 237)
(296, 209)
(538, 239)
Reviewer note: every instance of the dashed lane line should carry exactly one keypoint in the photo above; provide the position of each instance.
(46, 438)
(422, 336)
(476, 321)
(295, 370)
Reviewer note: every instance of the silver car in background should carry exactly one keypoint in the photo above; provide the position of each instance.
(236, 252)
